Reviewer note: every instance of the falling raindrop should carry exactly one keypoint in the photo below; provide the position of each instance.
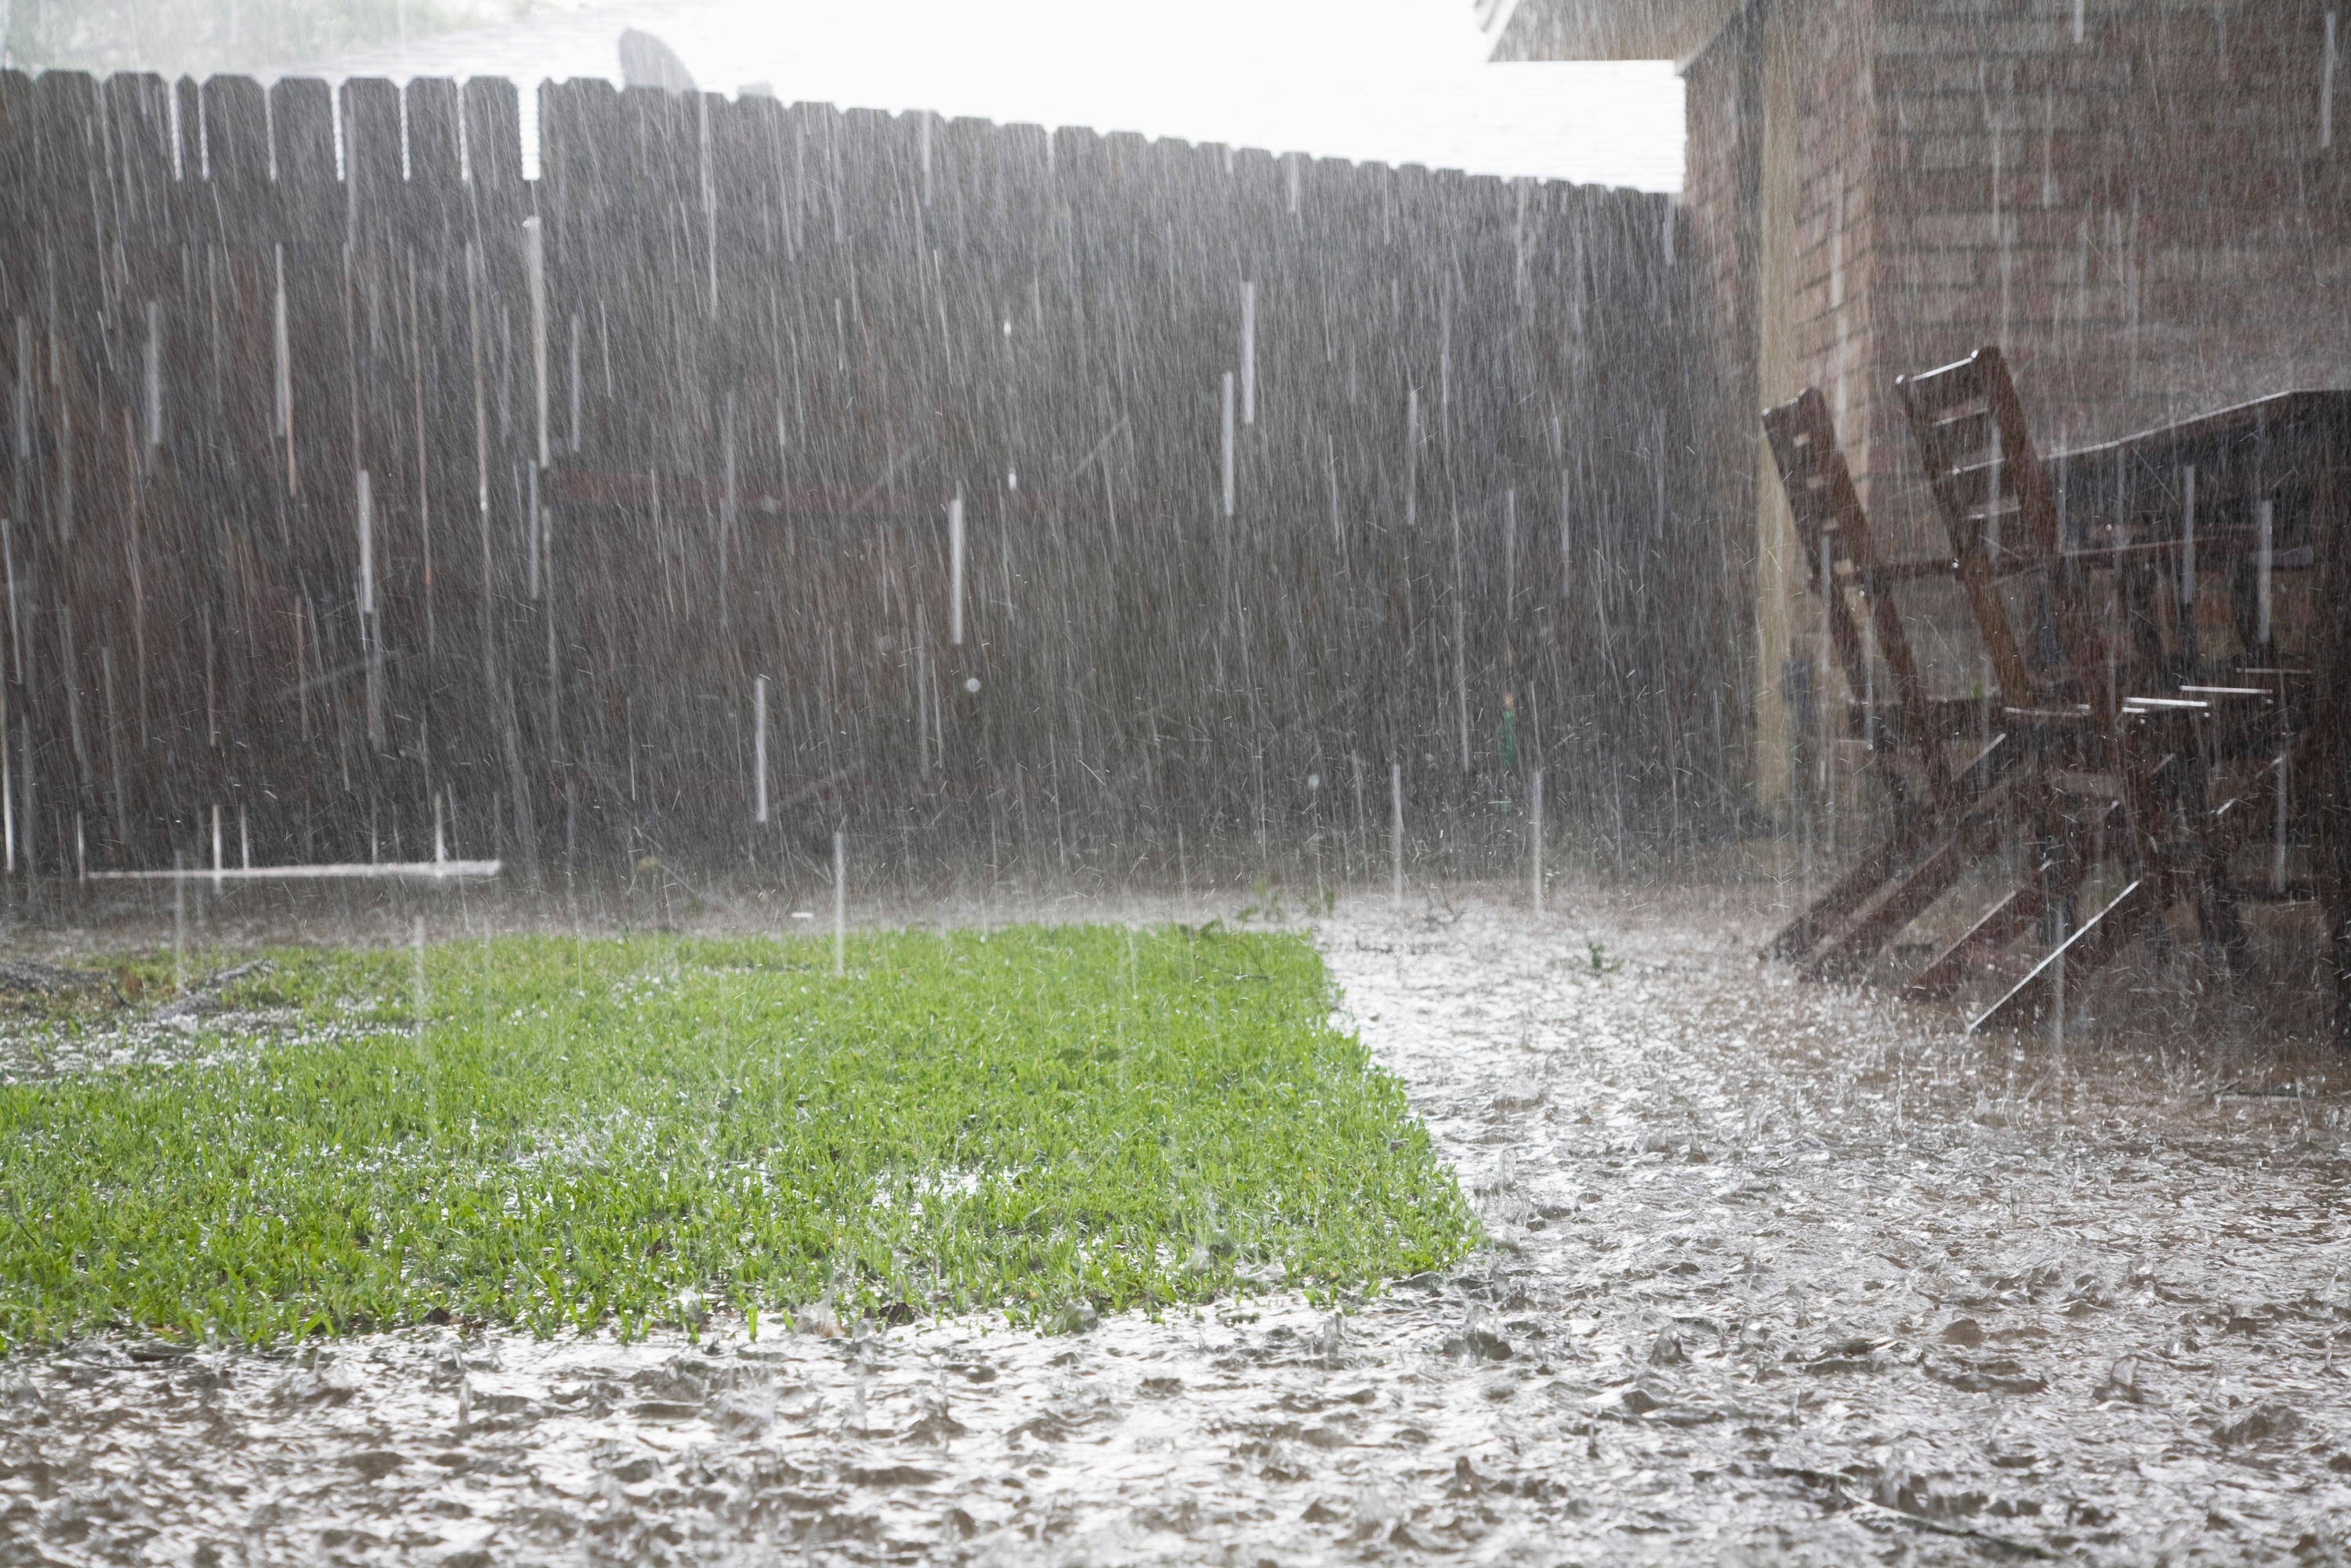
(954, 573)
(1535, 840)
(1248, 352)
(1227, 417)
(1396, 830)
(759, 748)
(839, 904)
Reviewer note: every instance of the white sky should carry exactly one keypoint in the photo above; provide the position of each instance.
(1391, 80)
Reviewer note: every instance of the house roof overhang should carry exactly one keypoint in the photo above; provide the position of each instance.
(1610, 29)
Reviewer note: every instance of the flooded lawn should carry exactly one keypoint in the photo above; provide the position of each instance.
(1775, 1273)
(557, 1133)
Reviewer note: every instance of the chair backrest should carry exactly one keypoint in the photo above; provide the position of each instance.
(2001, 515)
(1821, 496)
(1829, 519)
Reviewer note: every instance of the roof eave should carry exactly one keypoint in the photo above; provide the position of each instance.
(1610, 29)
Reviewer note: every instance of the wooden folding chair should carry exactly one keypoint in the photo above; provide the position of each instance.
(2066, 713)
(1829, 519)
(1832, 530)
(2001, 517)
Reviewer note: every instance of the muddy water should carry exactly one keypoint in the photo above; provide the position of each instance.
(1778, 1273)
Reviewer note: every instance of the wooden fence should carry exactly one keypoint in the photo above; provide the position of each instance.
(759, 467)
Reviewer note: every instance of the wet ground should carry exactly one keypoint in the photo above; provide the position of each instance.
(1778, 1274)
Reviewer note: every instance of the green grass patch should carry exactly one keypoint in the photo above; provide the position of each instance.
(569, 1133)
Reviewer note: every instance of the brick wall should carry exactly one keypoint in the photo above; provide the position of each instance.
(1718, 188)
(2145, 220)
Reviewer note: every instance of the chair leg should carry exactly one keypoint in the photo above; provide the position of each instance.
(2217, 918)
(2055, 883)
(1847, 894)
(2101, 938)
(2000, 925)
(2338, 920)
(1927, 881)
(2327, 767)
